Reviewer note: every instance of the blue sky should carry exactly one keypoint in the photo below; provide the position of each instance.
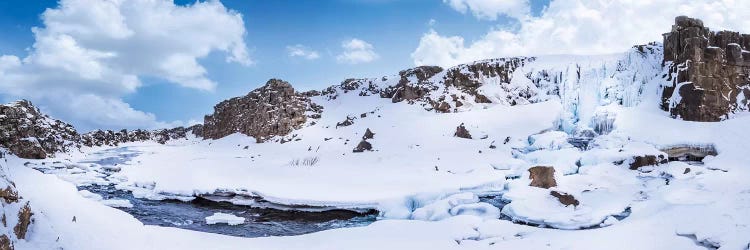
(400, 33)
(392, 27)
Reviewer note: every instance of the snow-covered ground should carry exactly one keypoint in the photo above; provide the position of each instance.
(425, 182)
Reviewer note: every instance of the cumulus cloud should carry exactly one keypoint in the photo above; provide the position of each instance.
(356, 51)
(578, 27)
(491, 9)
(302, 51)
(93, 52)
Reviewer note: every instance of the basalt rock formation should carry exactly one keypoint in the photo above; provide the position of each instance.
(709, 72)
(272, 110)
(28, 133)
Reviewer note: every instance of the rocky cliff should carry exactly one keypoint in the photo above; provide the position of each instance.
(28, 133)
(709, 71)
(271, 110)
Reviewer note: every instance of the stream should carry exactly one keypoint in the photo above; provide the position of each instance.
(259, 222)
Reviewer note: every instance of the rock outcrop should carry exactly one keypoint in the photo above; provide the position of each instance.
(112, 138)
(28, 133)
(413, 84)
(709, 72)
(647, 160)
(272, 110)
(565, 199)
(368, 135)
(542, 177)
(11, 203)
(462, 132)
(446, 90)
(469, 77)
(362, 147)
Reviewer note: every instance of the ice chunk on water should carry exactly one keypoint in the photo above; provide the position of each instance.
(229, 219)
(117, 203)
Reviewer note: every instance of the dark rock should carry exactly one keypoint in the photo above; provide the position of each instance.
(687, 170)
(347, 122)
(368, 135)
(647, 160)
(565, 199)
(712, 71)
(362, 146)
(272, 110)
(443, 107)
(542, 177)
(461, 132)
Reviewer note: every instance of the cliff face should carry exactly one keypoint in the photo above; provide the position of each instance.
(271, 110)
(710, 71)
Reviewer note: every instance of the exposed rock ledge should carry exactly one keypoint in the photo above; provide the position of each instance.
(709, 72)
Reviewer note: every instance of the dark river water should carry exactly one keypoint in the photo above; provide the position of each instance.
(259, 222)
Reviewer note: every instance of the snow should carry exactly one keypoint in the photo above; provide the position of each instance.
(425, 182)
(229, 219)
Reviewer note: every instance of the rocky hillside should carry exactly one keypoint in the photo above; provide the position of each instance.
(704, 74)
(28, 133)
(710, 71)
(114, 138)
(271, 110)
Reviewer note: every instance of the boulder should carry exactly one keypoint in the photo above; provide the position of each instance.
(461, 132)
(542, 177)
(368, 135)
(362, 146)
(565, 198)
(647, 160)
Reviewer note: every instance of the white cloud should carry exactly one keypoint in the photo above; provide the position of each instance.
(93, 52)
(491, 9)
(581, 27)
(356, 51)
(302, 51)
